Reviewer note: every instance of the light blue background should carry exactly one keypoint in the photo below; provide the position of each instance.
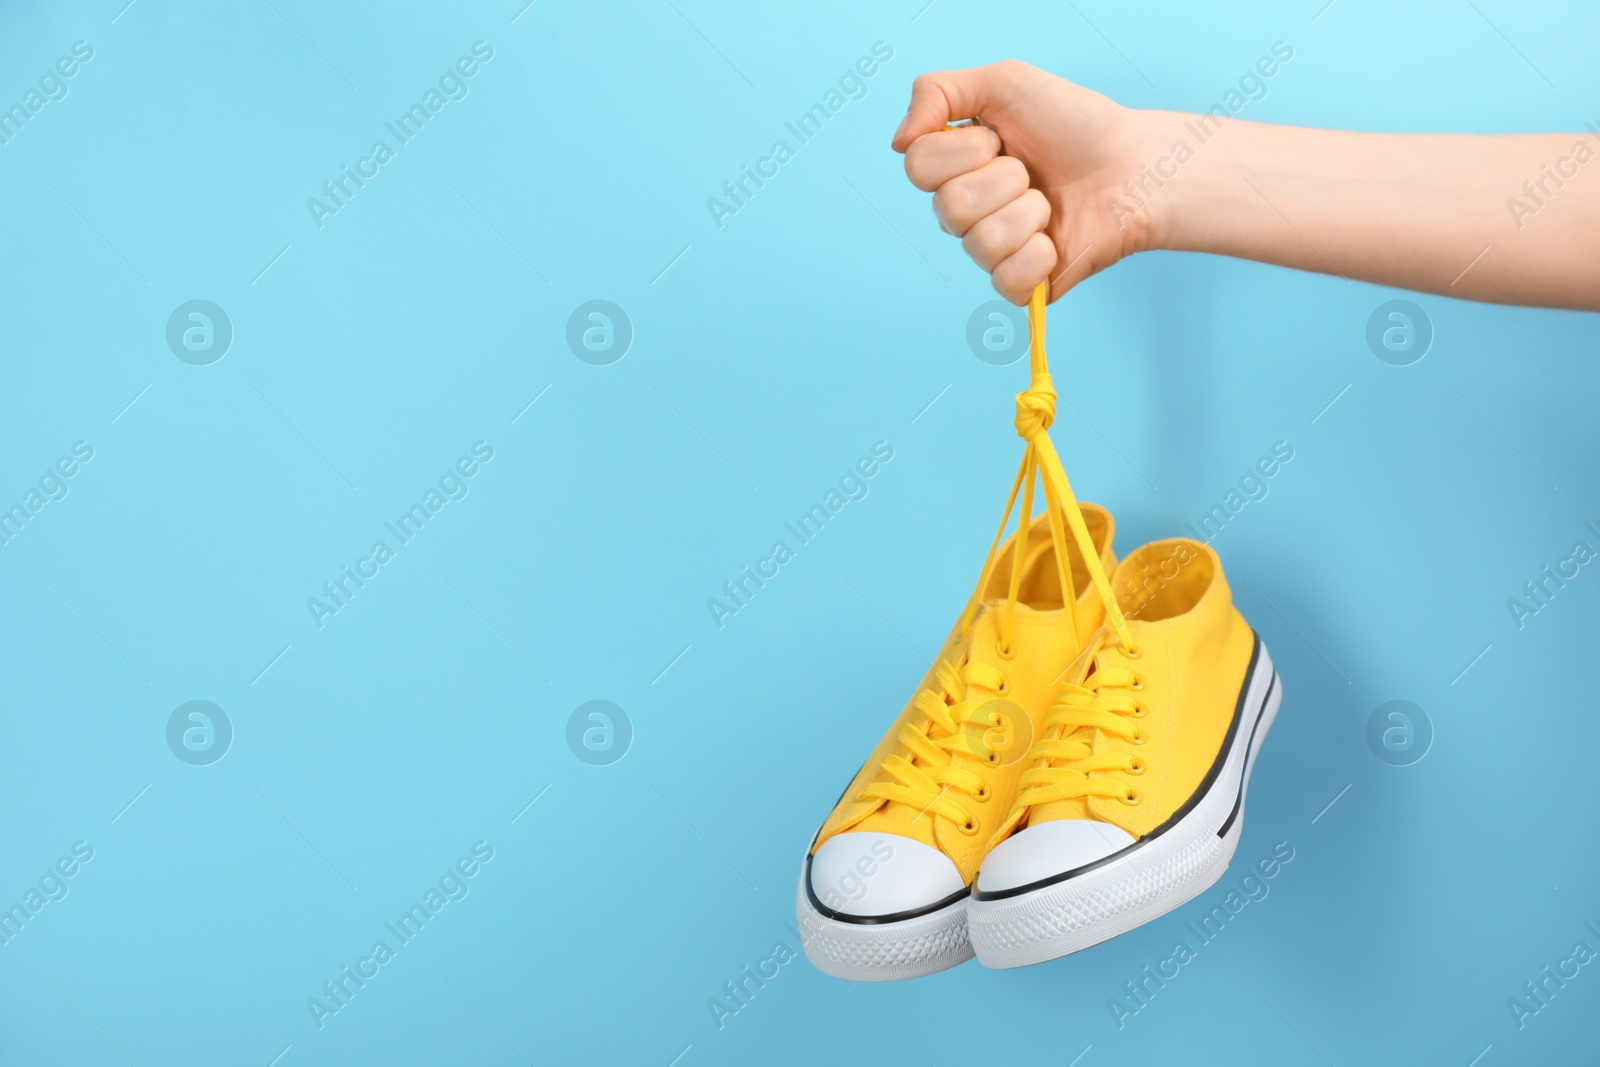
(371, 753)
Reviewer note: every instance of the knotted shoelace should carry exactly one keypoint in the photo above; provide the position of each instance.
(954, 714)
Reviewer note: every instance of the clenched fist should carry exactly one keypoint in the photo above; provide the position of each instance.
(1033, 191)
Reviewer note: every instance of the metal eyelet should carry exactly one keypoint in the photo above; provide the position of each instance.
(1133, 653)
(1132, 797)
(1005, 652)
(983, 793)
(1138, 710)
(968, 828)
(1137, 766)
(1137, 738)
(1138, 685)
(1004, 687)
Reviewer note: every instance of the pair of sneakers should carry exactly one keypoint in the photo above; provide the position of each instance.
(1073, 764)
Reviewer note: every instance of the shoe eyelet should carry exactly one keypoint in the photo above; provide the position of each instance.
(1137, 766)
(1133, 653)
(1137, 738)
(1132, 797)
(983, 794)
(1005, 652)
(1004, 687)
(1138, 684)
(968, 828)
(992, 759)
(1138, 710)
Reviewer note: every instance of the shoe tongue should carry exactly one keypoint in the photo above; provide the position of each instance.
(1040, 585)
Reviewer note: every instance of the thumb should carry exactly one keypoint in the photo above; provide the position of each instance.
(943, 97)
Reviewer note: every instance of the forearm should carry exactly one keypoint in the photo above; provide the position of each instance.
(1509, 219)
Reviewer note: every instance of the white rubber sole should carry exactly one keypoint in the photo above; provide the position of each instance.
(884, 952)
(1144, 881)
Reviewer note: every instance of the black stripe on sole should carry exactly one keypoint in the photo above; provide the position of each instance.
(1244, 776)
(874, 920)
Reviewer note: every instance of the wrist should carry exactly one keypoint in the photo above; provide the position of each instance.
(1177, 166)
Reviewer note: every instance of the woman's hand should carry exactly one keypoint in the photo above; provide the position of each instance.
(1059, 182)
(1033, 191)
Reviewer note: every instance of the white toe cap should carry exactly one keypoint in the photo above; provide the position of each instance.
(1048, 849)
(867, 874)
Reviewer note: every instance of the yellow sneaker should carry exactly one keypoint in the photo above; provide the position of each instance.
(1132, 799)
(884, 887)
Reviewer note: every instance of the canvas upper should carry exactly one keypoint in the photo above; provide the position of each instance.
(1003, 693)
(1131, 738)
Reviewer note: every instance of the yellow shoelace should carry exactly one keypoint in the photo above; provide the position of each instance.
(959, 720)
(1104, 702)
(965, 723)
